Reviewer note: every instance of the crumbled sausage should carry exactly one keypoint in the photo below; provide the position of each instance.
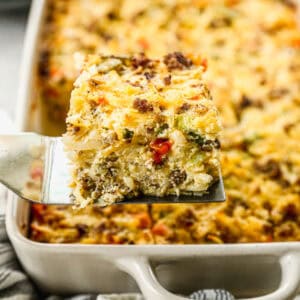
(200, 109)
(44, 63)
(50, 15)
(112, 15)
(142, 105)
(286, 230)
(278, 93)
(270, 168)
(184, 107)
(149, 75)
(105, 35)
(72, 128)
(263, 81)
(177, 176)
(220, 22)
(87, 183)
(245, 102)
(294, 67)
(289, 3)
(186, 219)
(288, 127)
(209, 145)
(167, 79)
(248, 102)
(76, 129)
(93, 82)
(268, 229)
(177, 60)
(141, 60)
(290, 212)
(82, 228)
(135, 83)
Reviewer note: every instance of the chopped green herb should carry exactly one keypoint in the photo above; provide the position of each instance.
(197, 138)
(205, 144)
(163, 214)
(250, 138)
(127, 134)
(162, 128)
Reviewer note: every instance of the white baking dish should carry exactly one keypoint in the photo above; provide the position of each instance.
(264, 271)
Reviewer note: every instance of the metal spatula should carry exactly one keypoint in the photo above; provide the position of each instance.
(35, 168)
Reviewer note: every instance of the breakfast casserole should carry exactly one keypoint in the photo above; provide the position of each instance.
(141, 126)
(252, 49)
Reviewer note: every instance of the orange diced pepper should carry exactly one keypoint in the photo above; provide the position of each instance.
(38, 210)
(56, 72)
(102, 100)
(204, 64)
(160, 229)
(195, 97)
(143, 43)
(295, 43)
(144, 220)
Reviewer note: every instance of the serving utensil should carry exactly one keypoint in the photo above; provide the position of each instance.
(35, 167)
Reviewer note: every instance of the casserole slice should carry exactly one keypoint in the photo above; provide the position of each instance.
(141, 126)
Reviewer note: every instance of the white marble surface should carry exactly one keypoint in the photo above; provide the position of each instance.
(12, 29)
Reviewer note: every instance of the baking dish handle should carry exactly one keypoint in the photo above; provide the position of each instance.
(139, 268)
(290, 279)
